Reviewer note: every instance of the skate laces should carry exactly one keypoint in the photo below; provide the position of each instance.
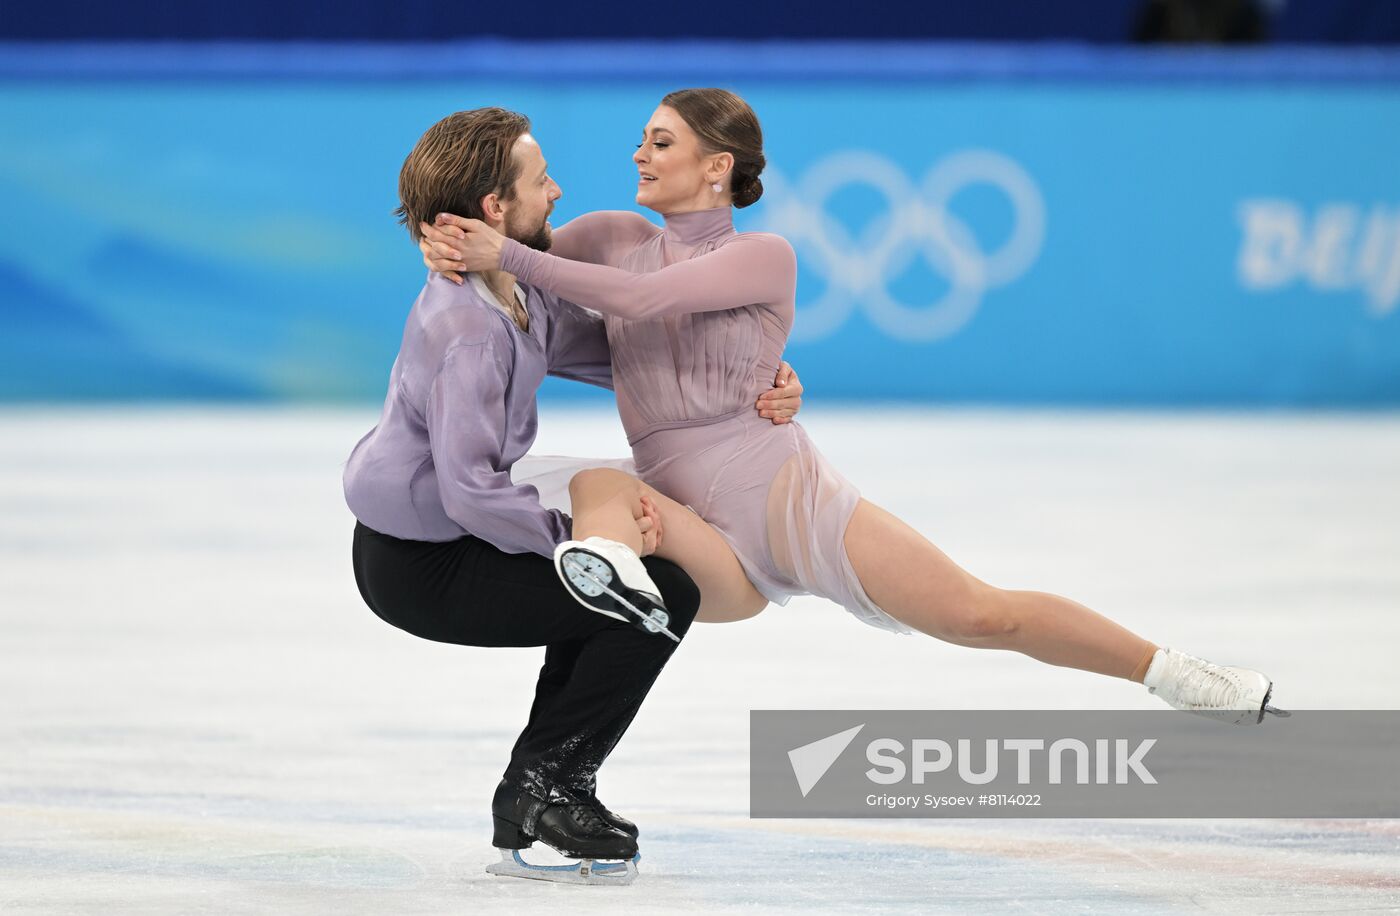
(1201, 683)
(587, 817)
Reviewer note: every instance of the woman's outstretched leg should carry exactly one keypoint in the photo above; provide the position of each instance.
(606, 503)
(943, 600)
(917, 584)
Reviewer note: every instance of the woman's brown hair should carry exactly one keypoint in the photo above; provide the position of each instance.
(725, 124)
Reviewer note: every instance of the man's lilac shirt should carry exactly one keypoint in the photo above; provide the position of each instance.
(461, 410)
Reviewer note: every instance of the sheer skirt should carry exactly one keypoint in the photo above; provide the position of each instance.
(779, 504)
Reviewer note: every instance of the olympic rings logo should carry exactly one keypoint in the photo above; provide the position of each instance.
(919, 224)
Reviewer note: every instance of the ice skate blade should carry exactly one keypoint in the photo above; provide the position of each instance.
(587, 589)
(583, 582)
(1264, 707)
(589, 872)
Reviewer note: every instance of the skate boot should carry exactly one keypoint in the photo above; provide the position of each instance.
(617, 821)
(1238, 696)
(609, 578)
(575, 830)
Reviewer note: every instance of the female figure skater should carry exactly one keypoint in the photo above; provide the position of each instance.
(697, 319)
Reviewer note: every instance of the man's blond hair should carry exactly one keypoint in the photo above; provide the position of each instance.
(460, 160)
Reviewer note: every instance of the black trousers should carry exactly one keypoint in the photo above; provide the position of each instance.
(597, 670)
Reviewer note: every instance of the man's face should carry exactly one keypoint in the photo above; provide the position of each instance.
(527, 215)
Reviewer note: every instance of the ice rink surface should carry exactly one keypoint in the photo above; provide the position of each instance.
(199, 714)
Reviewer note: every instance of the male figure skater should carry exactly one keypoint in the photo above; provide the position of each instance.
(449, 548)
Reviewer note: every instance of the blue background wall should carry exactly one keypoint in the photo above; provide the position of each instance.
(1099, 21)
(989, 224)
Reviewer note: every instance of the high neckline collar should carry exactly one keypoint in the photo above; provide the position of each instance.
(699, 225)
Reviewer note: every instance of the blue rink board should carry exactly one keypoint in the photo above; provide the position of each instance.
(1226, 240)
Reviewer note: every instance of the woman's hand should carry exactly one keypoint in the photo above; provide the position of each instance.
(456, 245)
(781, 402)
(649, 524)
(440, 257)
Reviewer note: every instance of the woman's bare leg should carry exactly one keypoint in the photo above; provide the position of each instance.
(607, 502)
(917, 584)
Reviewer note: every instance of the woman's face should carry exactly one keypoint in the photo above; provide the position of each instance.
(674, 173)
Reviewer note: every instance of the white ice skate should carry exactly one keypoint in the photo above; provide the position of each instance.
(1238, 696)
(608, 577)
(588, 871)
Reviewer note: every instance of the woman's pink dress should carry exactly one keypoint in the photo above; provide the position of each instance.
(697, 318)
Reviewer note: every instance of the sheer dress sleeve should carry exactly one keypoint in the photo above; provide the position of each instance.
(601, 237)
(754, 268)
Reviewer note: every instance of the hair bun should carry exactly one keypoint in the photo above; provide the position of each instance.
(747, 190)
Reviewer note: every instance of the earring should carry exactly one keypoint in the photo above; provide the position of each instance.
(717, 187)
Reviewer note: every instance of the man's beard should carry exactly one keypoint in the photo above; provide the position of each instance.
(540, 239)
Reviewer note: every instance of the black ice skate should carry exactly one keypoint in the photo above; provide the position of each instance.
(608, 577)
(574, 830)
(617, 821)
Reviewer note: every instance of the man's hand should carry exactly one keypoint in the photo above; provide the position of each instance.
(455, 245)
(781, 402)
(649, 524)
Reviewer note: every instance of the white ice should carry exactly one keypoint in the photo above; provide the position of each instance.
(197, 713)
